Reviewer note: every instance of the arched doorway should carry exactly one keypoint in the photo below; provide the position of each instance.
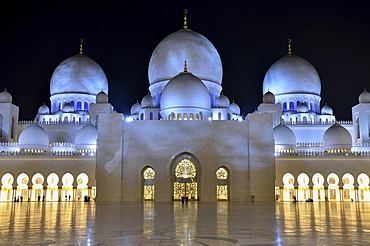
(185, 183)
(7, 187)
(148, 183)
(222, 176)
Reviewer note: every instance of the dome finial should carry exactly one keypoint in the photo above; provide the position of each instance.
(289, 46)
(81, 46)
(185, 67)
(185, 19)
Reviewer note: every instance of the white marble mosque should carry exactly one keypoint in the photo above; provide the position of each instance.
(185, 138)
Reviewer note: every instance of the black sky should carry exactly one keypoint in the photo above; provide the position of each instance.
(121, 36)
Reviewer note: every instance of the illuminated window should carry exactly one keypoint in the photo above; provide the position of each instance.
(222, 181)
(185, 116)
(185, 184)
(148, 176)
(191, 116)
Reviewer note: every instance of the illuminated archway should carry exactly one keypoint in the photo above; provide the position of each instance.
(52, 193)
(82, 188)
(67, 187)
(348, 187)
(333, 188)
(222, 175)
(148, 176)
(37, 186)
(22, 187)
(185, 184)
(363, 187)
(288, 191)
(318, 192)
(7, 187)
(303, 188)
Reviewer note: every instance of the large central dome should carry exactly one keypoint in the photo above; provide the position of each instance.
(185, 45)
(291, 75)
(78, 74)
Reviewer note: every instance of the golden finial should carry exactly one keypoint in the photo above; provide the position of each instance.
(289, 46)
(81, 47)
(185, 67)
(185, 19)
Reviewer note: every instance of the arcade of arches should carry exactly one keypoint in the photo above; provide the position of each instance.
(333, 191)
(51, 192)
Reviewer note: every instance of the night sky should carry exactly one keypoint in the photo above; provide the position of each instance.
(121, 36)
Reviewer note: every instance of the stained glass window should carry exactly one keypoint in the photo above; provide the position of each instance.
(148, 176)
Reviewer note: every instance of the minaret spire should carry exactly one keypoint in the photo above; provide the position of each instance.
(185, 67)
(81, 46)
(185, 19)
(289, 46)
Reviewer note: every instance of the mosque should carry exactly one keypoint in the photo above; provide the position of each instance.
(185, 138)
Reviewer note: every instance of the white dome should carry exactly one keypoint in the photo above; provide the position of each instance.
(78, 74)
(337, 137)
(185, 45)
(135, 109)
(68, 108)
(364, 97)
(268, 97)
(222, 101)
(292, 74)
(327, 110)
(185, 91)
(102, 97)
(284, 137)
(5, 97)
(147, 101)
(33, 137)
(43, 110)
(302, 108)
(86, 137)
(234, 108)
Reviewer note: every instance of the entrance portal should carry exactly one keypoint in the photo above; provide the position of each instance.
(185, 184)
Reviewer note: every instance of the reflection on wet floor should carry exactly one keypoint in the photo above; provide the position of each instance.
(193, 223)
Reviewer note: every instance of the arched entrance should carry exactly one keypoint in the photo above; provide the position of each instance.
(148, 183)
(185, 183)
(222, 176)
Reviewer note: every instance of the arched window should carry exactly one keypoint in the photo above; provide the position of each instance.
(141, 116)
(185, 184)
(219, 115)
(151, 115)
(222, 176)
(79, 105)
(86, 106)
(291, 105)
(191, 116)
(148, 179)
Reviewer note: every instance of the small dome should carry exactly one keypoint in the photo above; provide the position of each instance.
(268, 97)
(234, 108)
(185, 91)
(33, 137)
(43, 110)
(290, 75)
(222, 101)
(135, 109)
(284, 138)
(302, 108)
(364, 97)
(78, 74)
(337, 139)
(169, 56)
(327, 110)
(5, 97)
(68, 108)
(86, 137)
(148, 101)
(102, 97)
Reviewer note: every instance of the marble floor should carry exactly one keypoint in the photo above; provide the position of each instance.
(195, 223)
